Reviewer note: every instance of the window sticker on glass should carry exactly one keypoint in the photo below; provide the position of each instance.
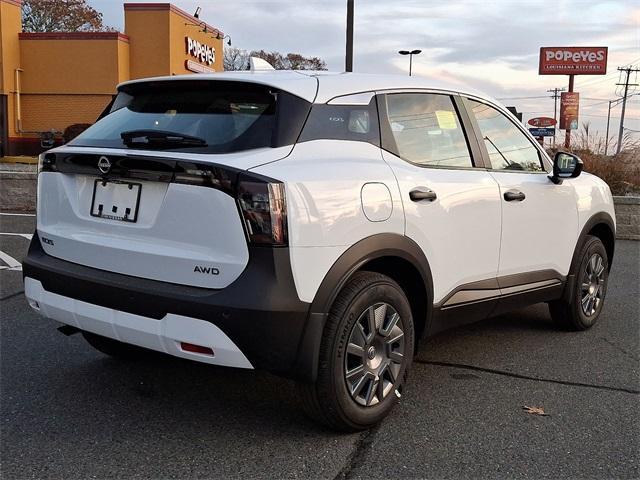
(446, 119)
(426, 130)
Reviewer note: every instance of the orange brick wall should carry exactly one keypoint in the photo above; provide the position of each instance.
(44, 112)
(68, 78)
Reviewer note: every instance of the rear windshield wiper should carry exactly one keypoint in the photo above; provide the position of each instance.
(160, 138)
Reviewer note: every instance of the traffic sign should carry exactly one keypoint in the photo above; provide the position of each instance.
(543, 132)
(542, 122)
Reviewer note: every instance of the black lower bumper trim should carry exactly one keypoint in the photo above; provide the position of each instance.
(260, 312)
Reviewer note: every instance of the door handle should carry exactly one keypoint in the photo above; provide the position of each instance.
(420, 194)
(514, 196)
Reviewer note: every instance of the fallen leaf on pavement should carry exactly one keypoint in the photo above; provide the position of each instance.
(535, 410)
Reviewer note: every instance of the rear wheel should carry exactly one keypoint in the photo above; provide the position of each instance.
(586, 300)
(365, 355)
(116, 349)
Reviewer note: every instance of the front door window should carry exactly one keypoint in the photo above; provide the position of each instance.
(507, 145)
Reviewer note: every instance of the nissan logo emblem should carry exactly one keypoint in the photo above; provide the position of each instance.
(104, 165)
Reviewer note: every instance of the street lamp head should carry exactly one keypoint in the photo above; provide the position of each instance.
(404, 52)
(415, 52)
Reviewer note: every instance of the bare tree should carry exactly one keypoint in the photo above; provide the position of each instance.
(298, 62)
(235, 59)
(60, 16)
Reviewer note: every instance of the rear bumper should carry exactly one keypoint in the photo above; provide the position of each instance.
(256, 321)
(164, 335)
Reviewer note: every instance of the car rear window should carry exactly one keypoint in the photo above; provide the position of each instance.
(226, 116)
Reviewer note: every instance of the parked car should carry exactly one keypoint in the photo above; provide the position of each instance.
(313, 225)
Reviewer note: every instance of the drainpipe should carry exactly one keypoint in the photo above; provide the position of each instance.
(19, 108)
(17, 97)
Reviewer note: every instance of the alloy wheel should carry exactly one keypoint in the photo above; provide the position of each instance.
(592, 287)
(375, 354)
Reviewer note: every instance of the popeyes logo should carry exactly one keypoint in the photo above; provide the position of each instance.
(204, 53)
(573, 60)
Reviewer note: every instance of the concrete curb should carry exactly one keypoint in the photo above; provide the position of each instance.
(20, 160)
(627, 217)
(18, 185)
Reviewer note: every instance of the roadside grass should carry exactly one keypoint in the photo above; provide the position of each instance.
(621, 171)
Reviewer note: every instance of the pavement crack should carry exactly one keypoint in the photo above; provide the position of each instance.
(619, 348)
(11, 296)
(527, 377)
(356, 459)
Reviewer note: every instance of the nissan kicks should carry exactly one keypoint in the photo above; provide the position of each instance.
(316, 226)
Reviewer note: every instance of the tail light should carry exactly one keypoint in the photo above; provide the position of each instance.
(46, 162)
(264, 211)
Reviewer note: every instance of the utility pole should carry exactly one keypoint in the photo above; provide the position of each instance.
(626, 85)
(556, 95)
(348, 61)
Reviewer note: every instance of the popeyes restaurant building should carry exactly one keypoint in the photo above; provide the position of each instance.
(51, 81)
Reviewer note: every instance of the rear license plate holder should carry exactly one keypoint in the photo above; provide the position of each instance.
(116, 200)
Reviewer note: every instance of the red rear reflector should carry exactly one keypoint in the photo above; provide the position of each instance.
(190, 347)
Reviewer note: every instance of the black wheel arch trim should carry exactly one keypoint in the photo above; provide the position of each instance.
(353, 259)
(600, 218)
(596, 219)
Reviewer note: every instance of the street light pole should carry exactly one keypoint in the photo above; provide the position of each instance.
(411, 54)
(348, 62)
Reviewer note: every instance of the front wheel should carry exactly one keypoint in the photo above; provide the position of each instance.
(365, 355)
(585, 301)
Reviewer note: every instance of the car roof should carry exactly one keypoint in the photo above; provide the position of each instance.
(322, 86)
(335, 85)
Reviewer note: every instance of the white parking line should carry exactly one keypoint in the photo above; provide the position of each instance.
(18, 214)
(12, 263)
(28, 236)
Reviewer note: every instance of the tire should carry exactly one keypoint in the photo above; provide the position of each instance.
(357, 402)
(585, 301)
(116, 349)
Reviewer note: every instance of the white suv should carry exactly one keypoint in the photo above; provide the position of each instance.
(313, 225)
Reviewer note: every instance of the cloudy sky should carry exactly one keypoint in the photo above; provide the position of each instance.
(491, 45)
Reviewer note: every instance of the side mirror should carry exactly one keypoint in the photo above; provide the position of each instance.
(565, 165)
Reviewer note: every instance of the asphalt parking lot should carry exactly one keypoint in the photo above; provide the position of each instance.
(67, 411)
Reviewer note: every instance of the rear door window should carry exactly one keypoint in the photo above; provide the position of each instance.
(425, 129)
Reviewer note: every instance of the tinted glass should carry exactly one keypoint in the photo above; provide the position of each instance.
(508, 147)
(427, 130)
(227, 116)
(343, 122)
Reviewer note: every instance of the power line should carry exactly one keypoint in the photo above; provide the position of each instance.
(594, 81)
(521, 98)
(599, 80)
(596, 104)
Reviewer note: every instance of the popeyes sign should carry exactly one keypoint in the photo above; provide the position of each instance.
(573, 60)
(204, 53)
